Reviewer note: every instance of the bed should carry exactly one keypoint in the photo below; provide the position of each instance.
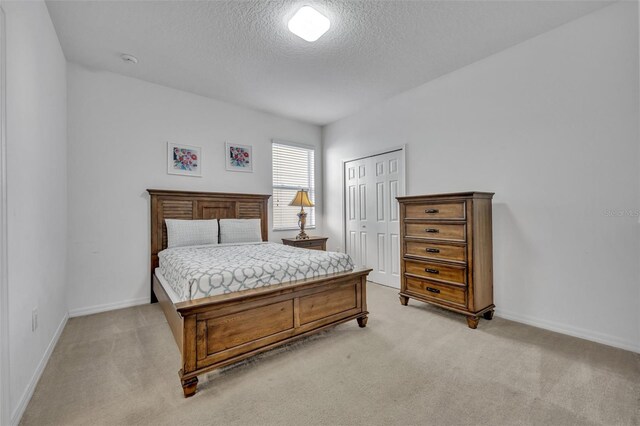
(216, 322)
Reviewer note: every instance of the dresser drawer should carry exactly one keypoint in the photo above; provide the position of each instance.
(437, 231)
(436, 271)
(436, 251)
(436, 291)
(313, 245)
(454, 211)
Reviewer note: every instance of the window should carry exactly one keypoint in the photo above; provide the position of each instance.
(293, 169)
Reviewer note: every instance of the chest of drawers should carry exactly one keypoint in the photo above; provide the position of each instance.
(447, 253)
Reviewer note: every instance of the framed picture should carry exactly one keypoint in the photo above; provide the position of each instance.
(239, 158)
(184, 160)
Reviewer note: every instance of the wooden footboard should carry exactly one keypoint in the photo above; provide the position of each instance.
(220, 330)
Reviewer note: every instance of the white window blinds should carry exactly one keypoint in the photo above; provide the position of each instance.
(293, 169)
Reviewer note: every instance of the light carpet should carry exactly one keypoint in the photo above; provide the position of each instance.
(414, 365)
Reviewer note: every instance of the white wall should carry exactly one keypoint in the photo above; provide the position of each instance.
(118, 129)
(551, 126)
(37, 196)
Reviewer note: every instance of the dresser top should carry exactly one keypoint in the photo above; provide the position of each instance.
(311, 238)
(470, 194)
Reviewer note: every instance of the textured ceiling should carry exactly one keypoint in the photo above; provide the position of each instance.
(242, 52)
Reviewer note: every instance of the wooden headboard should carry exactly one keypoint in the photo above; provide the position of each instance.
(200, 205)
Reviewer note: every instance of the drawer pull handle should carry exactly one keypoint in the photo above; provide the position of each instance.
(432, 250)
(432, 211)
(433, 290)
(432, 230)
(432, 271)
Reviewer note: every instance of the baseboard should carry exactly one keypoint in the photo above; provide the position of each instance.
(96, 309)
(28, 392)
(582, 333)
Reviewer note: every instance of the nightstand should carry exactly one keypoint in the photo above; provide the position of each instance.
(313, 243)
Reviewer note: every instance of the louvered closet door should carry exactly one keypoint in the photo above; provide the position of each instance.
(372, 214)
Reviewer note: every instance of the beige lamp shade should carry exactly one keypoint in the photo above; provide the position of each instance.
(301, 199)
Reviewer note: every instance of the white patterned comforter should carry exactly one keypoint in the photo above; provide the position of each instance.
(201, 271)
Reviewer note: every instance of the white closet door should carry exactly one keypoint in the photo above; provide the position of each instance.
(357, 220)
(372, 214)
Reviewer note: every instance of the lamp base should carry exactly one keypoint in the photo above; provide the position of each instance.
(302, 220)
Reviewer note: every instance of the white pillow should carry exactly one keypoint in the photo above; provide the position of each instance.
(240, 231)
(182, 233)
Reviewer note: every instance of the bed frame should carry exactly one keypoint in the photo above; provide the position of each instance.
(216, 331)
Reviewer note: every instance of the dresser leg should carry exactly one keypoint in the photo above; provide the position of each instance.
(472, 321)
(189, 386)
(362, 321)
(488, 315)
(404, 300)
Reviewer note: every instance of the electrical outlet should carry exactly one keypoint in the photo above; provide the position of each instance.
(34, 319)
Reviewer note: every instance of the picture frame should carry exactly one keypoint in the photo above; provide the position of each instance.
(238, 158)
(184, 160)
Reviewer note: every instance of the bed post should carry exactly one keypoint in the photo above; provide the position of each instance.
(154, 256)
(189, 350)
(362, 321)
(153, 298)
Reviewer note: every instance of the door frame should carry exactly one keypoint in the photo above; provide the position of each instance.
(5, 401)
(403, 149)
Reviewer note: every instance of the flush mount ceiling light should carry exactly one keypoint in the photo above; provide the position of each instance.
(309, 24)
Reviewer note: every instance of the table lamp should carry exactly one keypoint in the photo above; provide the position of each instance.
(302, 199)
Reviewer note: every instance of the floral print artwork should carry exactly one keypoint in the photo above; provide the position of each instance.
(239, 157)
(185, 159)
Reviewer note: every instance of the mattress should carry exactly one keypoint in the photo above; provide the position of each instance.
(167, 288)
(201, 271)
